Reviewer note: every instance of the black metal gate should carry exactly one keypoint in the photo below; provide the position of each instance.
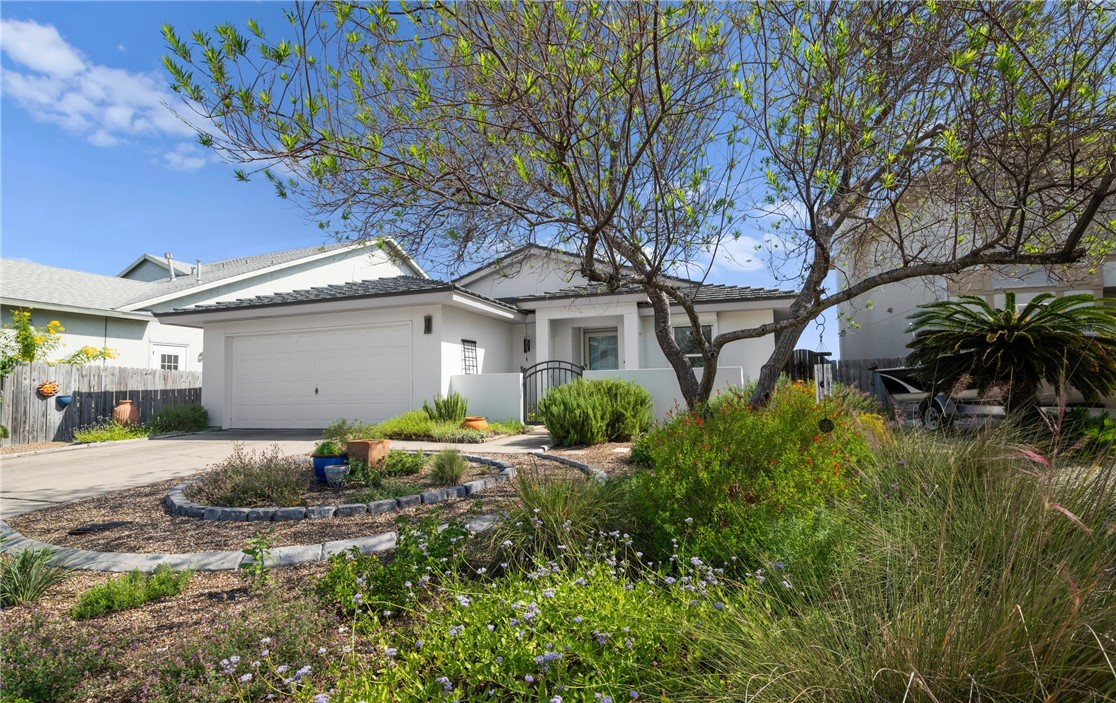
(539, 379)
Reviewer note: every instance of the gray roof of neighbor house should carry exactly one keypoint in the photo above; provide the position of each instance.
(703, 293)
(227, 268)
(380, 287)
(50, 285)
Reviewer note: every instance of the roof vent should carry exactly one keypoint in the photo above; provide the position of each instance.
(197, 271)
(170, 264)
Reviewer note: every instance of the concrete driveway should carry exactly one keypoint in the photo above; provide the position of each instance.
(35, 481)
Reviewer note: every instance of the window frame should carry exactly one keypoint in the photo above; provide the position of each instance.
(697, 361)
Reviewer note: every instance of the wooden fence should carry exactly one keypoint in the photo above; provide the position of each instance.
(854, 372)
(95, 391)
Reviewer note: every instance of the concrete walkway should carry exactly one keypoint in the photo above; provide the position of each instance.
(118, 562)
(51, 477)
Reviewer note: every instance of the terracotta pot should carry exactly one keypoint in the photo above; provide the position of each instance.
(126, 413)
(475, 423)
(371, 451)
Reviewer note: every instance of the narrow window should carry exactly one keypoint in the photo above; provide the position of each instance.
(469, 356)
(684, 337)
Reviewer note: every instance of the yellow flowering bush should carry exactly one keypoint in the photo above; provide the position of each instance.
(23, 343)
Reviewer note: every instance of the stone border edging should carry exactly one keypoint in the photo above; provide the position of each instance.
(178, 504)
(118, 562)
(595, 474)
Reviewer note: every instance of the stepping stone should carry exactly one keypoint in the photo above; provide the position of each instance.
(99, 527)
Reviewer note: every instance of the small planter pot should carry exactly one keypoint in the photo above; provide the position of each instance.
(336, 475)
(371, 451)
(63, 401)
(321, 462)
(475, 423)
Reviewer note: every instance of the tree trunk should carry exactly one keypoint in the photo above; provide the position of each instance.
(664, 333)
(769, 374)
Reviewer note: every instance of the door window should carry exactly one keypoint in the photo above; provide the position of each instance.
(602, 350)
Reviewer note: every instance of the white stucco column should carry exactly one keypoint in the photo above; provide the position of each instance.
(631, 340)
(542, 337)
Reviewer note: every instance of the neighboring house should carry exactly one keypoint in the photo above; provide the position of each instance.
(876, 325)
(119, 311)
(370, 350)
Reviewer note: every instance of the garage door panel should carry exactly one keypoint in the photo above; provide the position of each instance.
(359, 373)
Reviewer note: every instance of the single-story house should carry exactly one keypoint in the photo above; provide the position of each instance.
(372, 349)
(119, 311)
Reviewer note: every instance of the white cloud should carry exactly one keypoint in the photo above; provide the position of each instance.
(57, 84)
(741, 255)
(185, 157)
(40, 48)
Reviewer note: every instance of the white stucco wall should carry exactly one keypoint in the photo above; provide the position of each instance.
(748, 354)
(426, 359)
(534, 274)
(496, 396)
(493, 338)
(663, 385)
(879, 327)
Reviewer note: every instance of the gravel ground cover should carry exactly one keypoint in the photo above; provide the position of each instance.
(151, 530)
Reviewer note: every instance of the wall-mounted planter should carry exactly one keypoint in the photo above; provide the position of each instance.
(63, 401)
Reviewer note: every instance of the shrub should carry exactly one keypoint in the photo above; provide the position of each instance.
(328, 448)
(452, 408)
(507, 427)
(981, 572)
(401, 463)
(27, 575)
(282, 634)
(246, 480)
(46, 663)
(410, 425)
(179, 418)
(109, 431)
(641, 452)
(591, 412)
(606, 631)
(341, 431)
(457, 435)
(721, 476)
(447, 468)
(129, 591)
(553, 519)
(358, 582)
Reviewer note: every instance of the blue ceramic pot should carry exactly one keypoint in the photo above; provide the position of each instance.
(63, 401)
(320, 462)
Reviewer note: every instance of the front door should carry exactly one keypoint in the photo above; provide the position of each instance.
(602, 350)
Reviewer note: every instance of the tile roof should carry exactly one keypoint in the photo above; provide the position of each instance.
(25, 280)
(380, 287)
(703, 293)
(227, 268)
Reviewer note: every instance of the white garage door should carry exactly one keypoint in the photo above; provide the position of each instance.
(310, 379)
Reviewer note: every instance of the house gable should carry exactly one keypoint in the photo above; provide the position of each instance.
(531, 270)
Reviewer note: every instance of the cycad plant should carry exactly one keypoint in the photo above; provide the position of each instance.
(1065, 341)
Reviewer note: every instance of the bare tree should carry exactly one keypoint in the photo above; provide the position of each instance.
(626, 133)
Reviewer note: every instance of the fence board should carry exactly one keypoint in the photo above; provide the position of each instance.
(852, 372)
(96, 390)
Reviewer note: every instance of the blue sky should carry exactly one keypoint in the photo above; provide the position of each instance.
(94, 171)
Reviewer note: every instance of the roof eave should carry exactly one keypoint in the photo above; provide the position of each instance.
(77, 309)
